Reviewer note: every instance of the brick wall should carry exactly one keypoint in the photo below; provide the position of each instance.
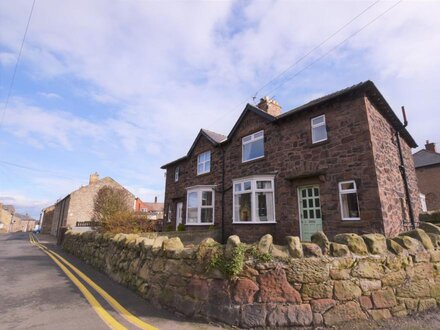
(429, 184)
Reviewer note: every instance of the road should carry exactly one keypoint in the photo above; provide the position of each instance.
(35, 293)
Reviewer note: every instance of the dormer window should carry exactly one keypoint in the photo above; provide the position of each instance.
(204, 163)
(176, 174)
(253, 146)
(319, 129)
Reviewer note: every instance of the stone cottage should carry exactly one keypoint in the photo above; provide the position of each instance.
(340, 163)
(77, 207)
(427, 163)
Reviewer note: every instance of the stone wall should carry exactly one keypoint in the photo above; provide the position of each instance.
(262, 284)
(188, 237)
(429, 183)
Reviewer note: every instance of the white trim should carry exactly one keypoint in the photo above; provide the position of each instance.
(202, 186)
(253, 191)
(203, 162)
(252, 140)
(200, 224)
(199, 190)
(312, 126)
(348, 191)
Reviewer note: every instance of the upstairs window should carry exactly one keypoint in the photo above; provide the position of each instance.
(319, 129)
(176, 174)
(254, 200)
(200, 206)
(204, 163)
(253, 146)
(349, 200)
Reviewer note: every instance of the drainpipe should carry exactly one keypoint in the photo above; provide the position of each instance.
(223, 194)
(403, 172)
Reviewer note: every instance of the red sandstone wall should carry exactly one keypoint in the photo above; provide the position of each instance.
(390, 182)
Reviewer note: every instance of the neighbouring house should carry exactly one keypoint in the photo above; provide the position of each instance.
(11, 221)
(76, 209)
(427, 163)
(332, 164)
(6, 218)
(27, 223)
(153, 210)
(46, 219)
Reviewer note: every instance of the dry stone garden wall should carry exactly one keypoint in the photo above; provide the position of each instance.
(299, 284)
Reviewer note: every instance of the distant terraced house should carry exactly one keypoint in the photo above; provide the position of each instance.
(76, 209)
(340, 163)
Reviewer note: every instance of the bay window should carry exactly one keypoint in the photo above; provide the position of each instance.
(200, 205)
(349, 200)
(254, 200)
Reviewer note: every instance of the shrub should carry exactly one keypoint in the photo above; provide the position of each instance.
(113, 213)
(169, 227)
(181, 227)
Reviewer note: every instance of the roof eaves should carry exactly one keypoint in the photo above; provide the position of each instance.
(254, 109)
(163, 167)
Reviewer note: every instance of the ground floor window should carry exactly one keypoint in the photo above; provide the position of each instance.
(253, 200)
(200, 205)
(349, 200)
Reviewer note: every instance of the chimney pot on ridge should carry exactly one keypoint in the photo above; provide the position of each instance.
(430, 146)
(270, 106)
(94, 177)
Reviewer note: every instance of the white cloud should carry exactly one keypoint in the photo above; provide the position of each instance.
(170, 68)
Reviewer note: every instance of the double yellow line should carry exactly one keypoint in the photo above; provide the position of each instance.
(97, 307)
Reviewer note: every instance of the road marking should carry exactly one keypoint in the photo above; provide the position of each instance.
(113, 302)
(97, 307)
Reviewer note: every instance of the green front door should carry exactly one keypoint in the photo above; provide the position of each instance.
(310, 211)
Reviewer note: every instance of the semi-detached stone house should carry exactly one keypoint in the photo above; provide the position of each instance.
(427, 163)
(78, 205)
(332, 164)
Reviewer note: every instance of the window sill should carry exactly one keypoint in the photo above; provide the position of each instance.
(351, 219)
(204, 173)
(254, 223)
(199, 224)
(251, 160)
(319, 143)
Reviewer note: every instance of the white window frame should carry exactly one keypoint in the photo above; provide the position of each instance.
(252, 140)
(345, 192)
(199, 190)
(199, 162)
(313, 126)
(176, 174)
(254, 191)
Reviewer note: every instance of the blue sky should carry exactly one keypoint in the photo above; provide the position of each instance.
(123, 87)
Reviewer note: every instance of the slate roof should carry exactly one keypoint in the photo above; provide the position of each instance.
(368, 87)
(216, 137)
(424, 158)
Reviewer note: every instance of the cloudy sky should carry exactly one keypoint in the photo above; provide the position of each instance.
(122, 87)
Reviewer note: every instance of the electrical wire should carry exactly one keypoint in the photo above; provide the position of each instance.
(314, 48)
(16, 65)
(280, 84)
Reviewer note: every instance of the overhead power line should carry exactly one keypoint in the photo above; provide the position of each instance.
(302, 58)
(314, 48)
(16, 65)
(280, 84)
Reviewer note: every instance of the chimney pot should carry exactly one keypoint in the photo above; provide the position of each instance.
(94, 177)
(430, 146)
(155, 199)
(270, 106)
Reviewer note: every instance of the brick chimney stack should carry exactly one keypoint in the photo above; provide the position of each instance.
(270, 106)
(430, 146)
(155, 199)
(94, 177)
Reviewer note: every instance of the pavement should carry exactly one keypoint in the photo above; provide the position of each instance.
(36, 294)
